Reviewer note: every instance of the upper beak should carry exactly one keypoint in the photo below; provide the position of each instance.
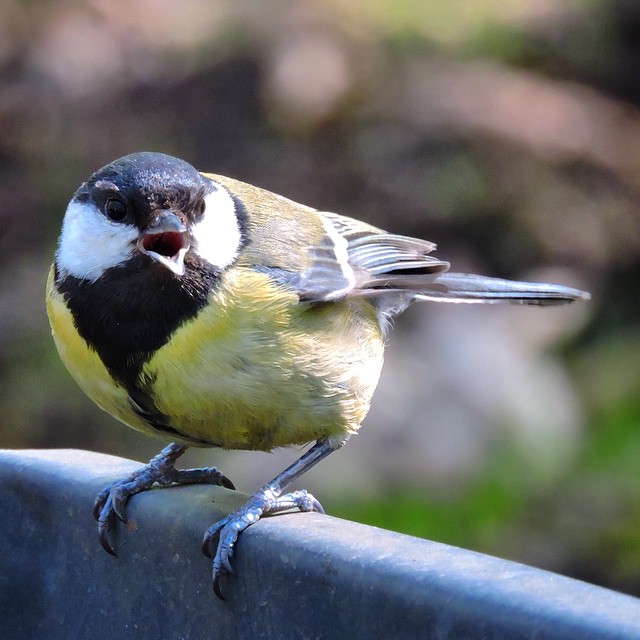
(165, 240)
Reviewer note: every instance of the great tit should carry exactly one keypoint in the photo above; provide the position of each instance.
(212, 313)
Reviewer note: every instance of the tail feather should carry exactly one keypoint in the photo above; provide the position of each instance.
(469, 288)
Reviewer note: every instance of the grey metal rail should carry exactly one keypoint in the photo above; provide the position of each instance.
(299, 575)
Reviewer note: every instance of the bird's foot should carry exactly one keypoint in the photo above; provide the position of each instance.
(230, 527)
(111, 502)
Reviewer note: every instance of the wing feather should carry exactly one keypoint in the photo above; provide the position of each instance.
(324, 256)
(353, 255)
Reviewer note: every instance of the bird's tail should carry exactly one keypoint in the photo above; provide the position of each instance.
(462, 287)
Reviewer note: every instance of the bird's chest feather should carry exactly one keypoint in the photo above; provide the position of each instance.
(251, 368)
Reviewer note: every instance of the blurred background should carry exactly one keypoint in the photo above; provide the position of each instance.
(508, 133)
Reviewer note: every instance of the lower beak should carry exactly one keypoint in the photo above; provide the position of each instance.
(165, 240)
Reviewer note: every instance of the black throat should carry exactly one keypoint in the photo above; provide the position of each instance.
(130, 312)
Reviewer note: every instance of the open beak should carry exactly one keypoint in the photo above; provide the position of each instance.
(165, 240)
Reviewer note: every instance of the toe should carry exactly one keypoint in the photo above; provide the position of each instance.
(225, 559)
(99, 502)
(119, 498)
(316, 506)
(208, 547)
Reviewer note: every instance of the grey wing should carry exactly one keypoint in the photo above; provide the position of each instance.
(354, 258)
(357, 259)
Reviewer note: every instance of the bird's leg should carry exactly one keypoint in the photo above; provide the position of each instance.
(265, 500)
(111, 502)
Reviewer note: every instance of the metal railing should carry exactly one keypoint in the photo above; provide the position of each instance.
(299, 575)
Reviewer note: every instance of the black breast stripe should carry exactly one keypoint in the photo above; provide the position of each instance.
(142, 404)
(130, 312)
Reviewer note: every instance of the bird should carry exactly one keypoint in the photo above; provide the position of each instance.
(212, 313)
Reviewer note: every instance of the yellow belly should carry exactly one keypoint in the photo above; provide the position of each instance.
(254, 370)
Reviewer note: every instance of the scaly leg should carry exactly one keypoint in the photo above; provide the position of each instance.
(111, 502)
(266, 500)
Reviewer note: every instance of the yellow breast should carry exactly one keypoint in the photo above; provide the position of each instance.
(253, 370)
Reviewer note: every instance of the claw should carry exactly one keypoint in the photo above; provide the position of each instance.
(119, 499)
(227, 484)
(316, 506)
(106, 545)
(103, 533)
(229, 528)
(215, 583)
(226, 563)
(221, 565)
(111, 502)
(207, 547)
(99, 502)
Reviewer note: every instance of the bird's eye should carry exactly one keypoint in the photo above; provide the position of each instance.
(115, 209)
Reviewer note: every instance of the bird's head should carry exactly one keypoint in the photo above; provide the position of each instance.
(152, 208)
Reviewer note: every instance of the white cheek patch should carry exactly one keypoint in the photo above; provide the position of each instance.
(90, 244)
(217, 235)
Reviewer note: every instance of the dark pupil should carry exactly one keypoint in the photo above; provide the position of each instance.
(116, 210)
